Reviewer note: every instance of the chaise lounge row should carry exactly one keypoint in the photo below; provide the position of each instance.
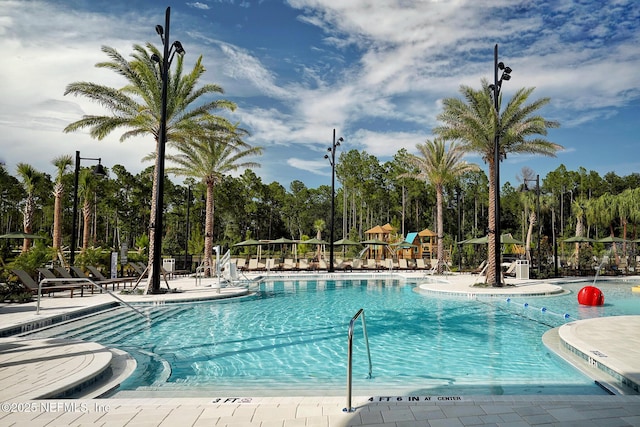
(60, 279)
(271, 264)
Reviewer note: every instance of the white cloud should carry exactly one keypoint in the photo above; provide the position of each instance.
(314, 166)
(199, 5)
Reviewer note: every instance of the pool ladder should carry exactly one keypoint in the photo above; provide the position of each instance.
(360, 313)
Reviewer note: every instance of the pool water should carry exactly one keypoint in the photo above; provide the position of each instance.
(291, 339)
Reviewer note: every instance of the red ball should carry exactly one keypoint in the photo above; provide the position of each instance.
(590, 295)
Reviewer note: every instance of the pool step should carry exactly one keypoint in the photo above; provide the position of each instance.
(112, 333)
(104, 326)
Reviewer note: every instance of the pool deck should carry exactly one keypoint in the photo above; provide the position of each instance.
(32, 371)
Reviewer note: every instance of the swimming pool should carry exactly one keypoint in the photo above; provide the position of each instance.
(290, 339)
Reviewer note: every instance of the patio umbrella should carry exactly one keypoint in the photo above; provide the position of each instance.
(345, 242)
(403, 245)
(579, 239)
(373, 242)
(251, 242)
(315, 241)
(20, 235)
(505, 239)
(611, 239)
(283, 241)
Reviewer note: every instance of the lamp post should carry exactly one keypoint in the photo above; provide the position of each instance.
(506, 75)
(97, 170)
(332, 161)
(537, 181)
(170, 49)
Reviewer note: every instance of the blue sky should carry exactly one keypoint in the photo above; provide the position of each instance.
(375, 70)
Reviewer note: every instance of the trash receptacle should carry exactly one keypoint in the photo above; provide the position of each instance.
(522, 269)
(169, 265)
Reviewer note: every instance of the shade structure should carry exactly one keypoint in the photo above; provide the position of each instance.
(281, 241)
(345, 242)
(375, 245)
(611, 239)
(373, 242)
(505, 239)
(403, 245)
(314, 241)
(579, 239)
(20, 235)
(250, 242)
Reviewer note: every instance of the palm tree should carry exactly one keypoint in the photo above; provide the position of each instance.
(30, 179)
(87, 190)
(61, 163)
(475, 122)
(208, 157)
(439, 166)
(137, 106)
(319, 226)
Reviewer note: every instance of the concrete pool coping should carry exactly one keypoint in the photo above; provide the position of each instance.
(32, 367)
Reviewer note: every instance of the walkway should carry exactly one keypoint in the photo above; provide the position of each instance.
(31, 370)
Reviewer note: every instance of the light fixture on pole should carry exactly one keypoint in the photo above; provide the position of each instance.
(537, 181)
(506, 75)
(332, 161)
(165, 63)
(97, 170)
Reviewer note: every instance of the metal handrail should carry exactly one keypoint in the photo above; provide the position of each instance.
(84, 280)
(360, 313)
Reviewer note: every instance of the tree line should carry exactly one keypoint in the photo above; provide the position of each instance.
(571, 203)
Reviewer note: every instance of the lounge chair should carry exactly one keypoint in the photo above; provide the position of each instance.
(241, 264)
(371, 264)
(254, 265)
(289, 264)
(511, 270)
(101, 280)
(271, 264)
(403, 265)
(139, 268)
(29, 283)
(48, 274)
(356, 264)
(342, 265)
(303, 264)
(479, 269)
(420, 264)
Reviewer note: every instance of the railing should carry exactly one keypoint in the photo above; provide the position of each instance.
(360, 313)
(80, 281)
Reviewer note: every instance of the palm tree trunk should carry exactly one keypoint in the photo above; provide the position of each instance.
(532, 220)
(440, 231)
(492, 268)
(86, 225)
(208, 236)
(152, 219)
(57, 216)
(28, 222)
